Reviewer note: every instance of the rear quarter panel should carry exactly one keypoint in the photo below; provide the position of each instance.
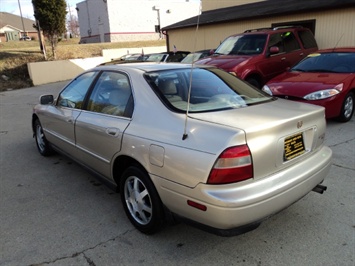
(163, 152)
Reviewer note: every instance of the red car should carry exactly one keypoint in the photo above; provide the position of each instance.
(258, 55)
(325, 78)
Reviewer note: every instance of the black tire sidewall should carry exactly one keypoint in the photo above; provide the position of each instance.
(157, 210)
(342, 117)
(254, 82)
(47, 149)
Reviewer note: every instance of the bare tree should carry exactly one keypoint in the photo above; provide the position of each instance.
(73, 26)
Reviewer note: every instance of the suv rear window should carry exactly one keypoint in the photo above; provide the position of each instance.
(307, 39)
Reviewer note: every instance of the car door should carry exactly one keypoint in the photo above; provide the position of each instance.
(60, 120)
(293, 50)
(274, 64)
(100, 127)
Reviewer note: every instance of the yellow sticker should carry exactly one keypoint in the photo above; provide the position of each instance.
(314, 55)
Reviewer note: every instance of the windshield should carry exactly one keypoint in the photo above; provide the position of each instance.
(327, 62)
(243, 45)
(156, 57)
(191, 58)
(211, 89)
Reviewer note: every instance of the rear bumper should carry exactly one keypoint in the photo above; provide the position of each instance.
(235, 205)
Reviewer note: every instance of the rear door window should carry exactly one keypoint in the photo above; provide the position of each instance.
(285, 41)
(290, 42)
(112, 95)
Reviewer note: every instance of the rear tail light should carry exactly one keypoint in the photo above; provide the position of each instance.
(233, 165)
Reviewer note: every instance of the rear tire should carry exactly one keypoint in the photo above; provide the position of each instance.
(43, 145)
(141, 201)
(347, 109)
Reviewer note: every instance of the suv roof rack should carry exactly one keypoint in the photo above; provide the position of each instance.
(287, 27)
(275, 28)
(259, 29)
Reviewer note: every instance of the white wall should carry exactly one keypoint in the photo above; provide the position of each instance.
(92, 16)
(130, 20)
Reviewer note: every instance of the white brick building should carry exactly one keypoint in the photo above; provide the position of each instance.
(130, 20)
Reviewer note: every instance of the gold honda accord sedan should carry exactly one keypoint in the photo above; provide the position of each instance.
(188, 142)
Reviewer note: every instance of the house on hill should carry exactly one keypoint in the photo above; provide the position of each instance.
(12, 27)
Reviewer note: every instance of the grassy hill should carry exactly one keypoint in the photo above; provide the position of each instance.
(15, 55)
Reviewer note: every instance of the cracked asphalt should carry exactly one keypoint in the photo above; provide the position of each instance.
(53, 212)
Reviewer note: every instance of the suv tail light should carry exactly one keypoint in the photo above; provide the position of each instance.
(233, 165)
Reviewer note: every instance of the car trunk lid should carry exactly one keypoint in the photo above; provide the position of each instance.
(278, 133)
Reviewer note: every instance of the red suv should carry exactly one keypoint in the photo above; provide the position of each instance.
(260, 54)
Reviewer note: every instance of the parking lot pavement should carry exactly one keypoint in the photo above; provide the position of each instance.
(53, 212)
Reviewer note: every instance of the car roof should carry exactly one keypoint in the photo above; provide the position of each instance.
(149, 66)
(177, 52)
(170, 53)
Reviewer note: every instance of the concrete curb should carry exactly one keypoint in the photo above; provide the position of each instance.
(54, 71)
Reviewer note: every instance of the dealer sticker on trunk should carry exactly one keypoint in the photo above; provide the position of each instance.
(293, 147)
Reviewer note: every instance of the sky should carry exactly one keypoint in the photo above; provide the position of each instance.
(12, 6)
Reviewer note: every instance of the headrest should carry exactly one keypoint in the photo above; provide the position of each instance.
(114, 98)
(167, 87)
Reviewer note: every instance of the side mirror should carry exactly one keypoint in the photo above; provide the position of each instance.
(274, 50)
(212, 51)
(46, 99)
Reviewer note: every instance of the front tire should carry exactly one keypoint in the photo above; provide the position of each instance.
(43, 145)
(141, 201)
(347, 109)
(254, 82)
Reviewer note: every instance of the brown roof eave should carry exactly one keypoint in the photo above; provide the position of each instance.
(181, 25)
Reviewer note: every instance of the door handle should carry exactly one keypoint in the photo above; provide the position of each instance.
(283, 58)
(112, 131)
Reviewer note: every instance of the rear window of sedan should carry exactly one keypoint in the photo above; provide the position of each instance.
(211, 89)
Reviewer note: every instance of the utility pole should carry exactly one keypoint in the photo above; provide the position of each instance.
(40, 36)
(23, 24)
(70, 20)
(157, 27)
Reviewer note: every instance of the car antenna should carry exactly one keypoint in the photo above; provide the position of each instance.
(336, 45)
(185, 135)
